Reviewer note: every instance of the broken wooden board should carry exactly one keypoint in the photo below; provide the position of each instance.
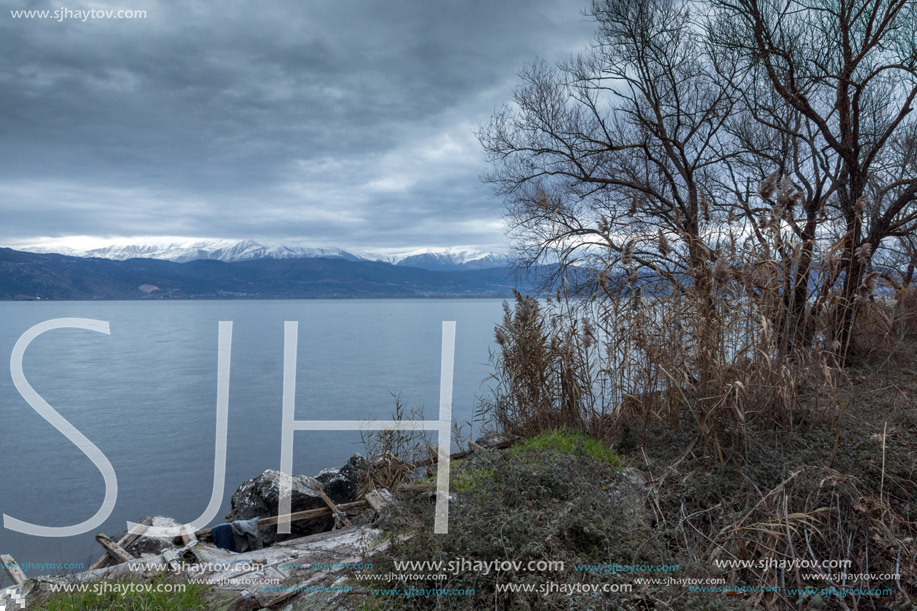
(187, 535)
(321, 576)
(106, 559)
(286, 561)
(114, 550)
(334, 508)
(12, 569)
(378, 499)
(298, 516)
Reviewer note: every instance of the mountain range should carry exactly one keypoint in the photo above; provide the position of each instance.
(231, 251)
(246, 270)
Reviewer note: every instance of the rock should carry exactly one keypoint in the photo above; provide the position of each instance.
(637, 480)
(260, 497)
(341, 483)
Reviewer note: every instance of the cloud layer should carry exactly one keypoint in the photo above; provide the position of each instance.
(345, 123)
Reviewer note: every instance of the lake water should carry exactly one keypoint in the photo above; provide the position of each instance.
(146, 396)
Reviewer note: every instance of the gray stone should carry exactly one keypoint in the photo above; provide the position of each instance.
(260, 496)
(342, 483)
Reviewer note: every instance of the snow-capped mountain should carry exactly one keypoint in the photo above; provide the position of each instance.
(450, 259)
(181, 251)
(195, 250)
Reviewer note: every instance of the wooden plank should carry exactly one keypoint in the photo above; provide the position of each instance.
(334, 508)
(312, 513)
(298, 516)
(378, 499)
(463, 454)
(12, 569)
(187, 536)
(114, 550)
(126, 540)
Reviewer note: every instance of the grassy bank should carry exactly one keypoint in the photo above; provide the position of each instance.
(837, 484)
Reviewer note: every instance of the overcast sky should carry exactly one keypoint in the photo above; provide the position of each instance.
(328, 123)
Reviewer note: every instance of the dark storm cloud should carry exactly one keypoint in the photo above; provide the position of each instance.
(334, 123)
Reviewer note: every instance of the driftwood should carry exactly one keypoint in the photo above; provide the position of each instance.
(463, 454)
(114, 550)
(187, 536)
(296, 517)
(12, 569)
(126, 540)
(378, 499)
(433, 459)
(334, 508)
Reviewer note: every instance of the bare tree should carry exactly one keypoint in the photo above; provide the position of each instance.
(607, 161)
(750, 158)
(781, 165)
(605, 155)
(849, 69)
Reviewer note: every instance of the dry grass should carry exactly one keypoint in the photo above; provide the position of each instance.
(391, 454)
(767, 438)
(818, 514)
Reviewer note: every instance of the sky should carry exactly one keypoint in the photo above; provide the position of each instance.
(328, 123)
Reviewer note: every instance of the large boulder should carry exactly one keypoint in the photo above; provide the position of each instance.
(342, 483)
(260, 497)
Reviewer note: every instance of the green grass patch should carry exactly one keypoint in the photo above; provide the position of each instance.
(470, 480)
(558, 497)
(133, 595)
(570, 442)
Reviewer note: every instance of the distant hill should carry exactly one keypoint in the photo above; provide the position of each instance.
(28, 275)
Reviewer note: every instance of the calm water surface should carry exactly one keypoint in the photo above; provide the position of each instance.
(146, 396)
